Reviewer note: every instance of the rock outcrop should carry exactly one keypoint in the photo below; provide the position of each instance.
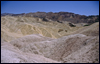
(30, 40)
(60, 16)
(21, 26)
(75, 48)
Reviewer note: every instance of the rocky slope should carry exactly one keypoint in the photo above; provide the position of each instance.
(60, 16)
(77, 48)
(15, 27)
(31, 40)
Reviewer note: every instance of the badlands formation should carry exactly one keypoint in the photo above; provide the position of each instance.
(32, 40)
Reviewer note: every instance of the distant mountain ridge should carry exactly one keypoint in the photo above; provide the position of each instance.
(60, 17)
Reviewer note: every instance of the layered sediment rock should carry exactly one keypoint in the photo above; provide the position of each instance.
(30, 40)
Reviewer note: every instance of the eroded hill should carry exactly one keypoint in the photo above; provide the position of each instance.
(60, 16)
(31, 40)
(15, 27)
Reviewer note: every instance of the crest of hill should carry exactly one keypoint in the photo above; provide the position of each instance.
(60, 16)
(15, 27)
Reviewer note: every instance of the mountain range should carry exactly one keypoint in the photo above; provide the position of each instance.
(60, 17)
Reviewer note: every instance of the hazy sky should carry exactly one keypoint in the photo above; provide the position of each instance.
(77, 7)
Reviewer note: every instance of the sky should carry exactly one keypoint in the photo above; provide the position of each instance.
(78, 7)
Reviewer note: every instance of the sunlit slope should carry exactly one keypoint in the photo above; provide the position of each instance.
(26, 41)
(15, 27)
(92, 30)
(77, 48)
(11, 54)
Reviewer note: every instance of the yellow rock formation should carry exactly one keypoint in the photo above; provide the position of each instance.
(15, 27)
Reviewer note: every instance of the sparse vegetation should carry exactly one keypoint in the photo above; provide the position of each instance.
(65, 30)
(70, 24)
(86, 25)
(44, 19)
(60, 30)
(96, 59)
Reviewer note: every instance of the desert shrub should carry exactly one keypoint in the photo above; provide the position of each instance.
(70, 24)
(59, 21)
(96, 59)
(86, 25)
(44, 19)
(60, 30)
(65, 30)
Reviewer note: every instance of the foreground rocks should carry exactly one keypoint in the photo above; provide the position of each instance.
(77, 48)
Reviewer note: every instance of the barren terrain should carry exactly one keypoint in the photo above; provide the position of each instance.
(32, 40)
